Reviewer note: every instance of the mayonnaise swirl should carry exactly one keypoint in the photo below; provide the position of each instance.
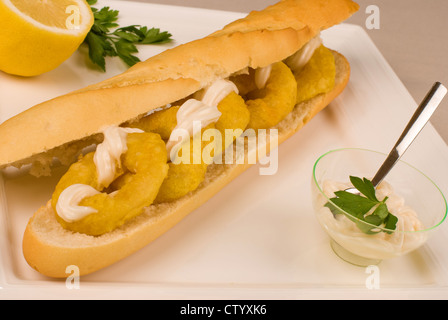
(106, 158)
(68, 207)
(108, 153)
(295, 62)
(299, 59)
(218, 91)
(193, 111)
(262, 76)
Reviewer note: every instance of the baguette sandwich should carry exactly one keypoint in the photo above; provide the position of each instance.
(130, 142)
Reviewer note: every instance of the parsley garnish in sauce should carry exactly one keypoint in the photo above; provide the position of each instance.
(360, 206)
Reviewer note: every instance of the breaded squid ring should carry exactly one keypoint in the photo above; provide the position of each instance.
(271, 104)
(234, 116)
(317, 76)
(162, 122)
(145, 165)
(183, 178)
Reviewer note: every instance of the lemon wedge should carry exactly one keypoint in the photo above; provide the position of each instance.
(36, 36)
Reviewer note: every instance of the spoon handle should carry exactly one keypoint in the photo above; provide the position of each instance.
(418, 121)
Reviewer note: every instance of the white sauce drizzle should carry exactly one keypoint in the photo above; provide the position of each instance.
(193, 111)
(106, 158)
(67, 206)
(299, 59)
(108, 153)
(262, 76)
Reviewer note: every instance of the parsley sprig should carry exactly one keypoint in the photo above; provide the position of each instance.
(121, 42)
(360, 207)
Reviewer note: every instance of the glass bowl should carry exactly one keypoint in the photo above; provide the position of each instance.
(413, 198)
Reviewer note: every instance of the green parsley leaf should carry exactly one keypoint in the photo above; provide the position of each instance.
(154, 35)
(125, 50)
(360, 207)
(97, 46)
(122, 42)
(372, 220)
(390, 222)
(381, 211)
(364, 186)
(354, 204)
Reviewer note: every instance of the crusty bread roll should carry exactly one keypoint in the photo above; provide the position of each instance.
(75, 120)
(49, 248)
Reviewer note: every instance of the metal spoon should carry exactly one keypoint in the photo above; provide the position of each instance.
(418, 121)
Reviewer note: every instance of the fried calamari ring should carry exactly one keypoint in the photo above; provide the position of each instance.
(271, 104)
(234, 116)
(186, 177)
(183, 177)
(145, 166)
(162, 122)
(317, 76)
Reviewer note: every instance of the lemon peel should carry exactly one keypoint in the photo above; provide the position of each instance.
(37, 36)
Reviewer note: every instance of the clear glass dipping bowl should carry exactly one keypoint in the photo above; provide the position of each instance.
(351, 244)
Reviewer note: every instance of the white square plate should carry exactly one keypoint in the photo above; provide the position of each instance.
(258, 238)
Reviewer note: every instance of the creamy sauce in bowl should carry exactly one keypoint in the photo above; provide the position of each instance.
(407, 236)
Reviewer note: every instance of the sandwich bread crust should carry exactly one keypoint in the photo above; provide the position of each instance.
(63, 126)
(49, 248)
(53, 128)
